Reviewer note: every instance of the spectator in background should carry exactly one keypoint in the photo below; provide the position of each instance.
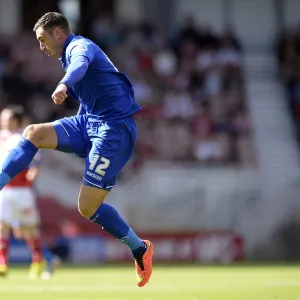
(177, 100)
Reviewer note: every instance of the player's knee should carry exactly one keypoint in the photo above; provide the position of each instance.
(35, 134)
(86, 210)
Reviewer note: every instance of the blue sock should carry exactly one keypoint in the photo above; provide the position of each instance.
(17, 161)
(110, 220)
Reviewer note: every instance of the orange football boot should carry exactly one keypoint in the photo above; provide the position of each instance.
(143, 265)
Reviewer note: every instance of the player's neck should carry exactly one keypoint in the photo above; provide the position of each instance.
(67, 39)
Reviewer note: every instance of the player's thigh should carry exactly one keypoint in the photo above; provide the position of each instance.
(41, 135)
(89, 200)
(71, 135)
(29, 232)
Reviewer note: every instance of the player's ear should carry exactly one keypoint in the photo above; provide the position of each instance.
(56, 32)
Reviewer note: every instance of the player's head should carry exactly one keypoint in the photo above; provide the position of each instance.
(52, 30)
(12, 117)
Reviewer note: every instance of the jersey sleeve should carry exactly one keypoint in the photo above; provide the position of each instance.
(76, 71)
(80, 56)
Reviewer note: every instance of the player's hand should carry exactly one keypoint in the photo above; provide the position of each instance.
(60, 94)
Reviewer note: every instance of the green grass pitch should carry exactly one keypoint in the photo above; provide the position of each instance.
(168, 282)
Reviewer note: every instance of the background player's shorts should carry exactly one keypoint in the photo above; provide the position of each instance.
(18, 207)
(106, 145)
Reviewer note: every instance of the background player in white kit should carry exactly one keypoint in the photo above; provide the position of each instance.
(17, 199)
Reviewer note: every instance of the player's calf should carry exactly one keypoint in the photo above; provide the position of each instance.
(90, 204)
(110, 220)
(89, 200)
(32, 237)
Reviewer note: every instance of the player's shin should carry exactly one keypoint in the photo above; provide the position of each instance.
(110, 220)
(17, 161)
(37, 267)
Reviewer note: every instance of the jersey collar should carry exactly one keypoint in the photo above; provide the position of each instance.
(67, 42)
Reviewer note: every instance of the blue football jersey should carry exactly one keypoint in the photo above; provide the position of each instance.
(103, 91)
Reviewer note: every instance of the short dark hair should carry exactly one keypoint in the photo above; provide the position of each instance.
(17, 113)
(51, 20)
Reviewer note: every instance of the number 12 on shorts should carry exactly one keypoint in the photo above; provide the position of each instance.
(101, 167)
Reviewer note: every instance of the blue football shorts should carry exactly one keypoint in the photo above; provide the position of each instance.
(106, 145)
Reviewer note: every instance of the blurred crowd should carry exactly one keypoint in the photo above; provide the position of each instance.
(288, 54)
(190, 86)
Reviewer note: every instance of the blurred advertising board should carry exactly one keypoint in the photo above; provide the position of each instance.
(206, 247)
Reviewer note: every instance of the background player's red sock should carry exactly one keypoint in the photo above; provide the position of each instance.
(36, 249)
(4, 247)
